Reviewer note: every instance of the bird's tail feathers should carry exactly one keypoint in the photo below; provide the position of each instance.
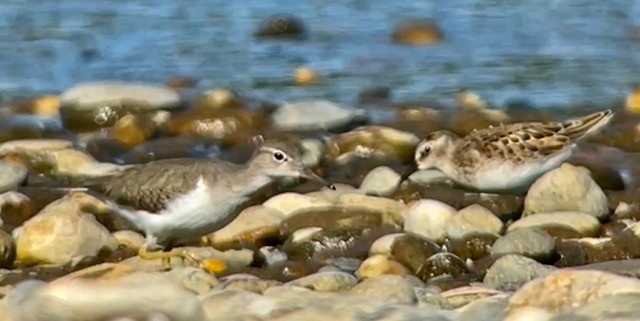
(588, 125)
(140, 220)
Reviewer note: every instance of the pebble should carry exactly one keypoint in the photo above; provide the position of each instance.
(92, 300)
(11, 176)
(7, 250)
(391, 288)
(567, 224)
(63, 233)
(288, 203)
(568, 188)
(313, 305)
(532, 242)
(615, 307)
(392, 212)
(473, 219)
(326, 281)
(194, 279)
(26, 146)
(129, 239)
(312, 152)
(307, 115)
(377, 265)
(246, 282)
(236, 303)
(510, 272)
(568, 288)
(461, 296)
(628, 267)
(487, 309)
(380, 181)
(431, 298)
(428, 219)
(384, 244)
(252, 226)
(92, 95)
(371, 142)
(427, 177)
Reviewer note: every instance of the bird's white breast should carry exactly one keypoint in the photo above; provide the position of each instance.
(201, 211)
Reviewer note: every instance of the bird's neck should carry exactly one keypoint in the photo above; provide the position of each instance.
(250, 181)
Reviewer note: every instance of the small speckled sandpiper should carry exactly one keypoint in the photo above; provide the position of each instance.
(505, 158)
(179, 200)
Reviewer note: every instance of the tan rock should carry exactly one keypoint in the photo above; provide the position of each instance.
(251, 225)
(378, 265)
(384, 244)
(568, 288)
(287, 203)
(138, 295)
(568, 188)
(394, 212)
(130, 239)
(64, 232)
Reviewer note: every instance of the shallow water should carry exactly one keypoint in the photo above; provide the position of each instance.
(553, 52)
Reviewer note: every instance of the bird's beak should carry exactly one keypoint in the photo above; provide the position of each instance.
(311, 176)
(410, 170)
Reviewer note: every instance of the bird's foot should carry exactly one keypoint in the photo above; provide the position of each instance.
(209, 265)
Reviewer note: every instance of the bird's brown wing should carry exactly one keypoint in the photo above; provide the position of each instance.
(150, 186)
(518, 142)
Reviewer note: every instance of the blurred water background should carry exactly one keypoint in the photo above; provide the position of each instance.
(552, 52)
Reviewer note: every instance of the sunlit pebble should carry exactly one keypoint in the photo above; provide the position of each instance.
(160, 118)
(103, 114)
(363, 151)
(214, 128)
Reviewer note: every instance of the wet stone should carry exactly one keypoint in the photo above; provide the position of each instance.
(474, 245)
(413, 252)
(331, 218)
(561, 224)
(11, 175)
(391, 288)
(305, 243)
(373, 140)
(442, 264)
(534, 243)
(246, 282)
(326, 281)
(576, 252)
(7, 250)
(511, 271)
(89, 106)
(281, 27)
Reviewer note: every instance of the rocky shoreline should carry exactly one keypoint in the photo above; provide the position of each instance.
(370, 250)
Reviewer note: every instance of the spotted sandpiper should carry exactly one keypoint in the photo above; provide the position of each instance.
(174, 201)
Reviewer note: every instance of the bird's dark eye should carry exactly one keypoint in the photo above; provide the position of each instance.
(279, 156)
(425, 152)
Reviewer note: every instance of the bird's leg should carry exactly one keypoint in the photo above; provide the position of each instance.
(145, 254)
(209, 265)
